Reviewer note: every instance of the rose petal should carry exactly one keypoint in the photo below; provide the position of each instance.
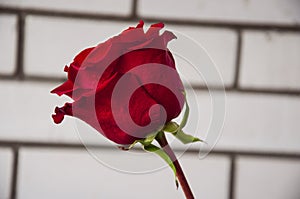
(93, 74)
(65, 88)
(66, 68)
(61, 112)
(82, 55)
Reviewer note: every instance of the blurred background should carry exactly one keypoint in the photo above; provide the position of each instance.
(256, 46)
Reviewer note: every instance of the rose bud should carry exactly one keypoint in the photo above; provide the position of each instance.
(127, 87)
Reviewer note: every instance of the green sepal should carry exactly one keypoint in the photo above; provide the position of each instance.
(154, 149)
(186, 138)
(146, 141)
(171, 127)
(174, 128)
(186, 113)
(128, 147)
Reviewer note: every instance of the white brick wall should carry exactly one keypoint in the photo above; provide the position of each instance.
(261, 122)
(255, 122)
(8, 41)
(252, 122)
(268, 178)
(92, 6)
(32, 115)
(250, 11)
(220, 44)
(75, 174)
(5, 172)
(275, 127)
(46, 58)
(270, 60)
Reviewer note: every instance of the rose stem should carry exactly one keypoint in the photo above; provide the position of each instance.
(162, 140)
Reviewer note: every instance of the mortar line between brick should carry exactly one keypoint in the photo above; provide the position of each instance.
(221, 152)
(242, 90)
(232, 177)
(134, 18)
(238, 60)
(19, 72)
(14, 178)
(134, 9)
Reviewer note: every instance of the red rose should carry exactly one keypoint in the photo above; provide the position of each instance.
(117, 85)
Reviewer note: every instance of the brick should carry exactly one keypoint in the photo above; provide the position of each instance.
(93, 6)
(52, 43)
(266, 11)
(28, 108)
(267, 178)
(8, 40)
(61, 42)
(261, 122)
(207, 175)
(213, 41)
(270, 60)
(252, 122)
(5, 172)
(69, 174)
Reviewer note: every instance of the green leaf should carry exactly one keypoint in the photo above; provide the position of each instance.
(174, 128)
(186, 114)
(154, 149)
(186, 138)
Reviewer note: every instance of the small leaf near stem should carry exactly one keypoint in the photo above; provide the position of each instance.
(174, 128)
(186, 114)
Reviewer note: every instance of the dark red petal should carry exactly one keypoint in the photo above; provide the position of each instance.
(144, 56)
(140, 24)
(66, 87)
(135, 47)
(61, 112)
(82, 55)
(72, 72)
(98, 54)
(172, 102)
(139, 112)
(153, 31)
(58, 116)
(158, 25)
(66, 68)
(162, 41)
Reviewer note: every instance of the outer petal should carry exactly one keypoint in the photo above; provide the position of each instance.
(65, 88)
(105, 122)
(108, 52)
(82, 55)
(171, 98)
(61, 112)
